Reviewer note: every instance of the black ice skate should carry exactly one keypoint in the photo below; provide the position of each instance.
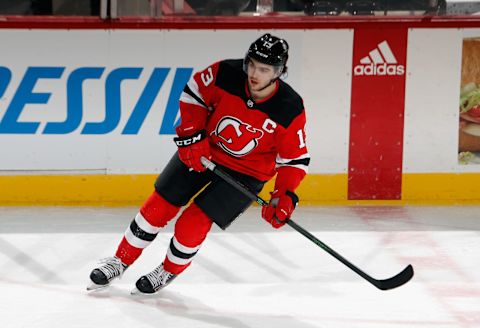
(153, 281)
(102, 276)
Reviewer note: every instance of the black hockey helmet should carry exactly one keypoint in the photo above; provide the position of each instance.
(270, 50)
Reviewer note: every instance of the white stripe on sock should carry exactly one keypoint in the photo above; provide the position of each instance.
(134, 240)
(145, 225)
(184, 249)
(177, 260)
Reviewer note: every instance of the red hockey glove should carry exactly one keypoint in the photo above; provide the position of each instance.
(191, 148)
(280, 208)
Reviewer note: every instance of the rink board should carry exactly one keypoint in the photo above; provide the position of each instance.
(122, 190)
(89, 117)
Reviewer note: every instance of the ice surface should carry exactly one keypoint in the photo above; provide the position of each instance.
(250, 275)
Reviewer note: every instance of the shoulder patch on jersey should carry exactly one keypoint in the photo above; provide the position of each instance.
(231, 77)
(285, 105)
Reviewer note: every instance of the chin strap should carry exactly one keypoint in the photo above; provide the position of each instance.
(269, 84)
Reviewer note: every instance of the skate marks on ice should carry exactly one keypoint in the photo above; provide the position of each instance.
(250, 275)
(444, 256)
(65, 219)
(179, 308)
(26, 260)
(328, 218)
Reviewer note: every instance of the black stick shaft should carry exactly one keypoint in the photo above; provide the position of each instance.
(254, 197)
(386, 284)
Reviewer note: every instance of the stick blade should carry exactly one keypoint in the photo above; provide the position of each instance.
(396, 281)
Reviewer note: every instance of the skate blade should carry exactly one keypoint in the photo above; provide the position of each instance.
(135, 291)
(93, 287)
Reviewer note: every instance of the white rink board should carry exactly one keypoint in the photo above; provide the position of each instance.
(145, 151)
(319, 69)
(434, 61)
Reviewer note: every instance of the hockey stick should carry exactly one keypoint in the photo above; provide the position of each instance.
(385, 284)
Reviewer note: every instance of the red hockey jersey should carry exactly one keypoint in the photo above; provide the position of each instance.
(254, 138)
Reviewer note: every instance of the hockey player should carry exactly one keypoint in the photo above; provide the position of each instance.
(239, 114)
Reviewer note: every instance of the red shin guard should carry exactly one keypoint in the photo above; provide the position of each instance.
(191, 229)
(128, 253)
(157, 212)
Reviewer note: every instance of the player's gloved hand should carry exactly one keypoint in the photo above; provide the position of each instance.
(191, 148)
(280, 208)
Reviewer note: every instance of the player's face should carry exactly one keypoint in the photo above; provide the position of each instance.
(259, 74)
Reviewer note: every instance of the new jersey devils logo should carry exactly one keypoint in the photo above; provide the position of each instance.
(235, 137)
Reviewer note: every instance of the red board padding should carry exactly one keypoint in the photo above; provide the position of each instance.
(377, 113)
(273, 21)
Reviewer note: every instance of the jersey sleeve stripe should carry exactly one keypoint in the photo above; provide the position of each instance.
(301, 162)
(305, 157)
(190, 97)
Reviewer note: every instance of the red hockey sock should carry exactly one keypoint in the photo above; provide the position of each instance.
(191, 229)
(128, 253)
(154, 214)
(157, 211)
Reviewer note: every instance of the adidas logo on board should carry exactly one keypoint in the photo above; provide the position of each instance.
(380, 61)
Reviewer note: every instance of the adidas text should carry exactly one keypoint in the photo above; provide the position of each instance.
(379, 69)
